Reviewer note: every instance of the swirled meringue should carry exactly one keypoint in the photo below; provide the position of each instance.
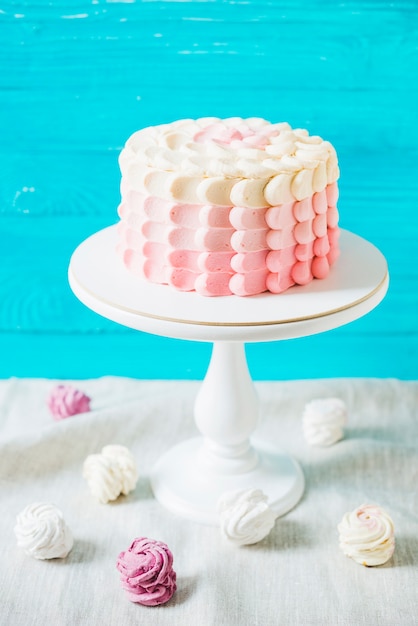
(146, 572)
(367, 535)
(111, 473)
(323, 421)
(42, 532)
(245, 516)
(65, 401)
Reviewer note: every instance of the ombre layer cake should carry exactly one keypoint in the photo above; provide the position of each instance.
(228, 207)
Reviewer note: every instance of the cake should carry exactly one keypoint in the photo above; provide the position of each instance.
(228, 206)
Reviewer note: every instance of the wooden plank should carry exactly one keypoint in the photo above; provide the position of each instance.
(353, 63)
(78, 78)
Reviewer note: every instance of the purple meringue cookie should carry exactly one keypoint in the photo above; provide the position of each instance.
(65, 401)
(146, 572)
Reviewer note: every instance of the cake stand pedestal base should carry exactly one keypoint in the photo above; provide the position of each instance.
(193, 492)
(190, 478)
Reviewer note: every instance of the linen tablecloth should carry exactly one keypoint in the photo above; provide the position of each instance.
(296, 576)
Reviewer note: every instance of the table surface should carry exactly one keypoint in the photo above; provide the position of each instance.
(296, 576)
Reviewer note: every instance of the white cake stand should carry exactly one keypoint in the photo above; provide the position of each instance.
(189, 478)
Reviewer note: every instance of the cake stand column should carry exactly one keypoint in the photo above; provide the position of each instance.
(190, 477)
(227, 411)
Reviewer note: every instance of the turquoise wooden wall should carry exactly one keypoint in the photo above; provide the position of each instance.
(77, 78)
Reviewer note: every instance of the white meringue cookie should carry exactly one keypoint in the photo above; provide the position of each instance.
(245, 516)
(42, 532)
(323, 421)
(111, 473)
(367, 535)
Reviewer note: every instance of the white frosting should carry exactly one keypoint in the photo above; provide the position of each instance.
(367, 535)
(323, 421)
(190, 160)
(42, 532)
(111, 473)
(245, 516)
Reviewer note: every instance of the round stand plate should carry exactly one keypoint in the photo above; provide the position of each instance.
(182, 484)
(356, 284)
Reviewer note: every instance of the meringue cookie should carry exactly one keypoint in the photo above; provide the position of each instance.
(42, 532)
(146, 570)
(65, 401)
(245, 517)
(367, 535)
(323, 421)
(111, 473)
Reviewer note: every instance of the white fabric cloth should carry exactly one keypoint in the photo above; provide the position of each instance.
(296, 576)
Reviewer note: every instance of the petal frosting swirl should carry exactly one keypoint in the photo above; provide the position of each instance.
(245, 516)
(146, 572)
(65, 401)
(323, 421)
(184, 159)
(111, 473)
(367, 535)
(42, 532)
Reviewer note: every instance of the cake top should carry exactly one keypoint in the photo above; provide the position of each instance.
(233, 161)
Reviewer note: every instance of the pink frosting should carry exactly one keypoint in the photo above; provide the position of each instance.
(146, 572)
(223, 250)
(65, 401)
(236, 137)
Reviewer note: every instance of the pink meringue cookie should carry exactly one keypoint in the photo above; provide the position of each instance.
(65, 401)
(146, 572)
